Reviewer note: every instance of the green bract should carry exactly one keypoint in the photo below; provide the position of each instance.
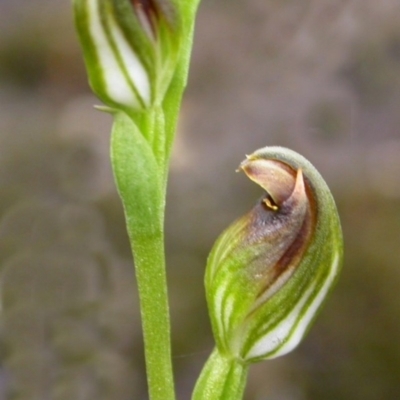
(270, 271)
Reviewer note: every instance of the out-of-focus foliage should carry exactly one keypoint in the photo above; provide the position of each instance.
(320, 77)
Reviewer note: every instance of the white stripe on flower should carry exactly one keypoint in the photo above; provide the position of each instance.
(116, 81)
(292, 329)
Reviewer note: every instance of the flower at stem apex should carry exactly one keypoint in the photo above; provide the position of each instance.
(270, 271)
(130, 48)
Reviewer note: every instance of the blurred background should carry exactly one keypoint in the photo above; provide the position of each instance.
(321, 77)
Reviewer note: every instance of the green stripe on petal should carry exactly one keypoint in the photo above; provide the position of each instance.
(126, 82)
(131, 49)
(269, 272)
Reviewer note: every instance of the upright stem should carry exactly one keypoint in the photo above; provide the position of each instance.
(141, 187)
(222, 378)
(151, 280)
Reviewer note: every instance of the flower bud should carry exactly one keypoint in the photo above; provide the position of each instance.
(270, 271)
(130, 49)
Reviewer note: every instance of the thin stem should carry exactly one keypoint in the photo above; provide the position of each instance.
(222, 378)
(152, 285)
(140, 186)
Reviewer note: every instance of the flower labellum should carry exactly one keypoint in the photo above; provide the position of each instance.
(270, 271)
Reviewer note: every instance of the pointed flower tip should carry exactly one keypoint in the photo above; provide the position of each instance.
(275, 177)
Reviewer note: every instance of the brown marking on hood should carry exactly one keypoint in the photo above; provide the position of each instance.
(298, 247)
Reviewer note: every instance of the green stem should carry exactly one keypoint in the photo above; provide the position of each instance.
(139, 181)
(152, 285)
(222, 378)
